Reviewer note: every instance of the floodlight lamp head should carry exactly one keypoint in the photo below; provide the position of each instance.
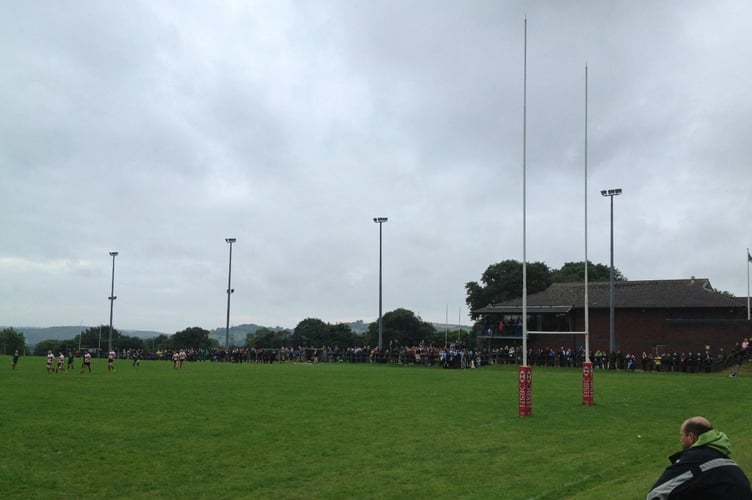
(113, 253)
(380, 220)
(611, 192)
(231, 240)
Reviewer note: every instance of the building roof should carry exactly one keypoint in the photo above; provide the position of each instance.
(683, 293)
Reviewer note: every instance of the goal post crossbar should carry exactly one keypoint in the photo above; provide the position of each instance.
(557, 333)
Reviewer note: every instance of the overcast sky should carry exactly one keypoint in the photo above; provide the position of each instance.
(159, 128)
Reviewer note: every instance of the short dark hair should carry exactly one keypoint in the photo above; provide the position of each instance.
(696, 428)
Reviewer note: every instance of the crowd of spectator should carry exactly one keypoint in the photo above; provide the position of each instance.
(506, 327)
(455, 355)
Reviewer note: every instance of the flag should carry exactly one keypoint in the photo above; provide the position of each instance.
(749, 257)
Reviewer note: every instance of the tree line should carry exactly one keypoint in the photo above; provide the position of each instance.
(97, 339)
(400, 325)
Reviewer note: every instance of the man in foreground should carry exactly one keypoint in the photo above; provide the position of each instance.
(703, 469)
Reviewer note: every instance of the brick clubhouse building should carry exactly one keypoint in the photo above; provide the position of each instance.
(655, 316)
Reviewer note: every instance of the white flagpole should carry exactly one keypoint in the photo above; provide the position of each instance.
(446, 328)
(748, 316)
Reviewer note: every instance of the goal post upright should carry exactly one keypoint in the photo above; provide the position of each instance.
(525, 371)
(587, 365)
(525, 392)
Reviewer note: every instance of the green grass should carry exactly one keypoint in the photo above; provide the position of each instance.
(348, 431)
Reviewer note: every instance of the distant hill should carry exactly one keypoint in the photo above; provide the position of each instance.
(34, 335)
(238, 333)
(440, 327)
(358, 326)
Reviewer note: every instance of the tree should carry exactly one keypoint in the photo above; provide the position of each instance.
(47, 345)
(341, 335)
(11, 341)
(403, 326)
(158, 343)
(99, 336)
(126, 342)
(92, 338)
(267, 338)
(192, 338)
(310, 332)
(503, 281)
(573, 272)
(68, 345)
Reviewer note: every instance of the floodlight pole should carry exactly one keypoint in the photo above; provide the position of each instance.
(229, 292)
(112, 299)
(380, 221)
(612, 335)
(446, 326)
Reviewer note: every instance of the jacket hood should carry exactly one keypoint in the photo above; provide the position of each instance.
(715, 439)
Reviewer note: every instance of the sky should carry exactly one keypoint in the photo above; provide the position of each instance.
(159, 128)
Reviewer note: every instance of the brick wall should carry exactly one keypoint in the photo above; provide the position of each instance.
(638, 330)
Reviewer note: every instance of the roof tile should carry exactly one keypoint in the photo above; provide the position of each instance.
(680, 293)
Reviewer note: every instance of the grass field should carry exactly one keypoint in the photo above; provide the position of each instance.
(216, 430)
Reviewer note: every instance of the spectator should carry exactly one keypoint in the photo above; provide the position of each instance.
(703, 468)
